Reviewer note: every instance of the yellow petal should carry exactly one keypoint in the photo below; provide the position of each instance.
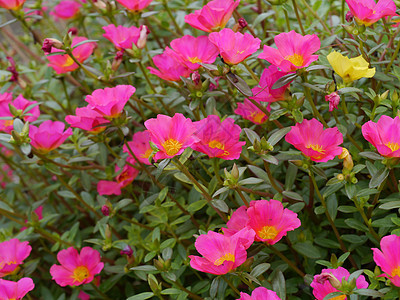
(339, 63)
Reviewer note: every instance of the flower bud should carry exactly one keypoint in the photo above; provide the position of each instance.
(73, 31)
(196, 78)
(117, 60)
(128, 251)
(334, 100)
(144, 32)
(323, 277)
(242, 23)
(348, 163)
(349, 16)
(105, 210)
(48, 43)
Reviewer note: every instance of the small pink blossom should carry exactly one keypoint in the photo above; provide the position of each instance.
(251, 112)
(135, 5)
(294, 51)
(10, 290)
(260, 293)
(48, 136)
(66, 9)
(388, 258)
(315, 142)
(87, 119)
(12, 254)
(234, 47)
(334, 100)
(140, 146)
(12, 4)
(122, 37)
(213, 16)
(76, 268)
(221, 253)
(368, 12)
(170, 66)
(218, 139)
(171, 135)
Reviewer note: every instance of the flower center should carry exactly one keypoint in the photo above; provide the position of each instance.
(295, 59)
(195, 60)
(267, 232)
(341, 297)
(80, 273)
(123, 176)
(172, 147)
(216, 144)
(395, 272)
(257, 117)
(317, 148)
(226, 257)
(8, 123)
(393, 146)
(68, 62)
(147, 153)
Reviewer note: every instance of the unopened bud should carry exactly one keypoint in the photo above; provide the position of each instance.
(49, 43)
(105, 210)
(73, 31)
(349, 16)
(196, 77)
(128, 251)
(117, 60)
(144, 32)
(340, 177)
(235, 171)
(348, 163)
(384, 95)
(100, 4)
(242, 23)
(323, 277)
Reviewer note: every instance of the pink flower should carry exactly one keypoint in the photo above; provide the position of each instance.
(315, 142)
(251, 112)
(268, 219)
(140, 146)
(63, 63)
(234, 47)
(110, 102)
(48, 136)
(367, 12)
(19, 103)
(135, 5)
(12, 254)
(213, 16)
(264, 91)
(260, 293)
(87, 119)
(171, 135)
(76, 268)
(10, 290)
(170, 66)
(218, 139)
(194, 50)
(322, 285)
(122, 37)
(334, 100)
(83, 296)
(389, 258)
(221, 253)
(128, 174)
(294, 51)
(6, 97)
(12, 4)
(384, 135)
(66, 9)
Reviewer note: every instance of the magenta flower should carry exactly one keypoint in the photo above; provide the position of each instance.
(367, 12)
(135, 5)
(12, 254)
(170, 66)
(19, 103)
(66, 9)
(12, 4)
(384, 135)
(194, 50)
(128, 174)
(260, 293)
(76, 268)
(322, 284)
(140, 146)
(334, 100)
(251, 112)
(213, 16)
(264, 91)
(87, 119)
(315, 142)
(122, 37)
(221, 253)
(10, 290)
(389, 258)
(269, 220)
(48, 136)
(63, 63)
(218, 139)
(294, 51)
(110, 102)
(171, 135)
(6, 97)
(234, 47)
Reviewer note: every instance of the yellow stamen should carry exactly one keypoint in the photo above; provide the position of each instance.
(267, 232)
(80, 273)
(341, 297)
(395, 272)
(216, 144)
(172, 147)
(295, 59)
(393, 146)
(257, 116)
(8, 123)
(317, 148)
(68, 62)
(195, 60)
(226, 257)
(147, 153)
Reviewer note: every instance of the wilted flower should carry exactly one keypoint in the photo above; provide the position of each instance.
(12, 254)
(334, 100)
(10, 290)
(66, 9)
(76, 268)
(127, 251)
(367, 12)
(234, 47)
(350, 69)
(122, 37)
(251, 112)
(322, 284)
(218, 139)
(388, 258)
(170, 66)
(48, 136)
(315, 142)
(221, 253)
(140, 147)
(49, 43)
(384, 135)
(135, 5)
(294, 51)
(213, 16)
(260, 293)
(171, 135)
(12, 4)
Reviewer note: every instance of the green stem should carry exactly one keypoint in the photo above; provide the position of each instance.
(242, 197)
(311, 101)
(296, 11)
(231, 285)
(366, 221)
(287, 19)
(253, 75)
(271, 178)
(178, 29)
(286, 260)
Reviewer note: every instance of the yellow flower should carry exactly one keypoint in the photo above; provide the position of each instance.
(350, 69)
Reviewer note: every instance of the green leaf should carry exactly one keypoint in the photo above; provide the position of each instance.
(240, 84)
(284, 80)
(292, 195)
(379, 177)
(371, 155)
(260, 269)
(369, 293)
(251, 135)
(84, 42)
(307, 249)
(196, 206)
(278, 135)
(331, 295)
(141, 296)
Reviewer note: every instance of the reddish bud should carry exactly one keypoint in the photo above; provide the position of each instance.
(105, 210)
(12, 68)
(144, 32)
(196, 78)
(49, 43)
(127, 251)
(73, 31)
(242, 23)
(349, 17)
